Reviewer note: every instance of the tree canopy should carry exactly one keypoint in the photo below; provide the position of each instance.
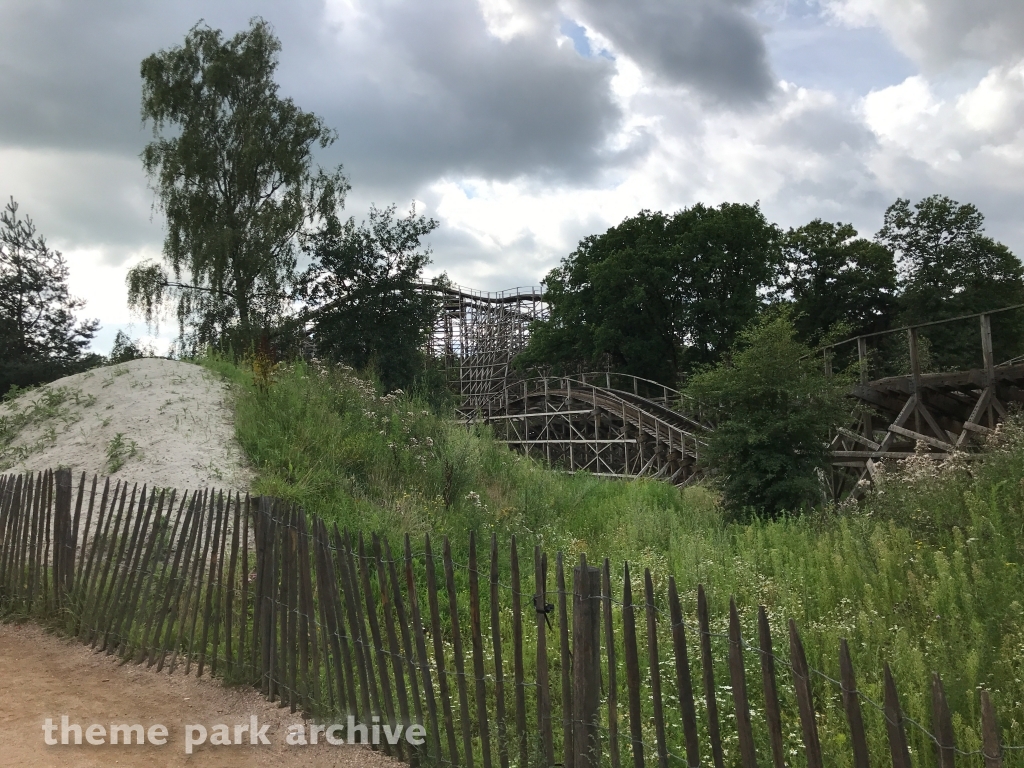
(231, 163)
(364, 291)
(41, 338)
(836, 280)
(949, 267)
(657, 295)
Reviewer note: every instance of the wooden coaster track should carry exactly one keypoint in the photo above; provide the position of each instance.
(618, 425)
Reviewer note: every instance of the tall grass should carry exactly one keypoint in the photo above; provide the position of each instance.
(925, 574)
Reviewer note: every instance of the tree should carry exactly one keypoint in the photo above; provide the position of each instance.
(836, 280)
(949, 267)
(658, 295)
(774, 407)
(40, 337)
(364, 292)
(232, 165)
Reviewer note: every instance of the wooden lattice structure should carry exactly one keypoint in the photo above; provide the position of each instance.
(931, 414)
(608, 424)
(478, 333)
(623, 426)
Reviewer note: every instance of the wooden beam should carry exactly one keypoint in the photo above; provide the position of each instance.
(921, 438)
(858, 438)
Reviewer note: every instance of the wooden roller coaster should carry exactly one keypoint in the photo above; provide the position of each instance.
(617, 425)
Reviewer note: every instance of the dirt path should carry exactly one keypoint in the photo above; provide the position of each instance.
(42, 676)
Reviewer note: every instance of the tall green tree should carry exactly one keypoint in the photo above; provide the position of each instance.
(231, 163)
(658, 295)
(948, 266)
(364, 294)
(836, 280)
(41, 338)
(774, 408)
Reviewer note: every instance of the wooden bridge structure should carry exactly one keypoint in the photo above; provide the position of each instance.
(605, 423)
(617, 425)
(918, 411)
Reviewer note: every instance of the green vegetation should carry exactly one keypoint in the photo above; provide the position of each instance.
(232, 164)
(661, 296)
(926, 574)
(40, 337)
(119, 450)
(45, 408)
(658, 294)
(774, 408)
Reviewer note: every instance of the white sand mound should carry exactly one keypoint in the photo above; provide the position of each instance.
(160, 422)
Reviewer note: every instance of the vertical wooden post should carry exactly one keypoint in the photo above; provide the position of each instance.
(942, 724)
(988, 360)
(915, 374)
(894, 723)
(738, 677)
(636, 732)
(990, 733)
(654, 668)
(862, 358)
(439, 657)
(547, 745)
(63, 543)
(519, 675)
(499, 671)
(421, 650)
(586, 656)
(805, 701)
(477, 643)
(684, 686)
(566, 664)
(714, 734)
(613, 693)
(773, 714)
(851, 704)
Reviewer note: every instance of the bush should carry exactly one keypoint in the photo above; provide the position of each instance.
(775, 407)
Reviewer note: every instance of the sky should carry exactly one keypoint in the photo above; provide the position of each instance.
(524, 125)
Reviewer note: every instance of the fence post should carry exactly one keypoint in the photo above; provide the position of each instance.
(63, 545)
(586, 663)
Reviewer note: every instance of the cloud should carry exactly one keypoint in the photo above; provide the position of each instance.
(941, 33)
(712, 46)
(418, 90)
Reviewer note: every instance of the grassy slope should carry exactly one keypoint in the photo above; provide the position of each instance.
(926, 575)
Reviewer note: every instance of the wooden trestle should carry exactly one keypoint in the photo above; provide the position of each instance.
(924, 414)
(623, 426)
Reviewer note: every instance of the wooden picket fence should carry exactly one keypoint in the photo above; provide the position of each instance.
(332, 624)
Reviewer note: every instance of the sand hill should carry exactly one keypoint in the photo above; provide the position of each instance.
(161, 422)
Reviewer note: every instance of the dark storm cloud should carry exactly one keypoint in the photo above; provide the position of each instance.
(424, 91)
(714, 46)
(421, 90)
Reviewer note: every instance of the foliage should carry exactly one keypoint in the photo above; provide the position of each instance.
(926, 573)
(231, 164)
(363, 292)
(119, 450)
(126, 348)
(40, 337)
(658, 294)
(775, 408)
(835, 279)
(949, 267)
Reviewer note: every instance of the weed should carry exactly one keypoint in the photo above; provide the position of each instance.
(120, 450)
